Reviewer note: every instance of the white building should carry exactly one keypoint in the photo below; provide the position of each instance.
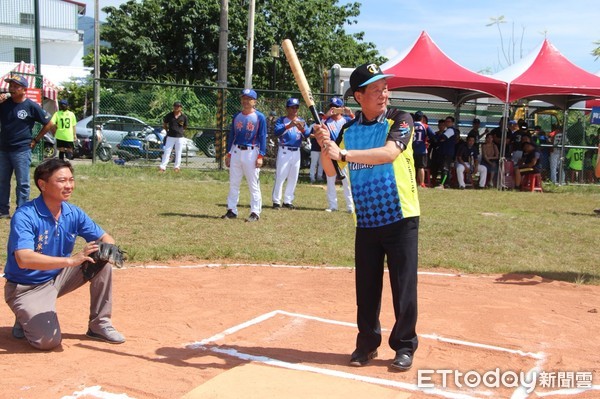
(61, 41)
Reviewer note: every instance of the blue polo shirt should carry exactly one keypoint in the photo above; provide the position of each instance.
(33, 227)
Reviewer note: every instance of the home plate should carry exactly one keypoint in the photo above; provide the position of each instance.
(253, 381)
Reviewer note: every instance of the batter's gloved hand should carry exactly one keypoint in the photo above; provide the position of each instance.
(106, 253)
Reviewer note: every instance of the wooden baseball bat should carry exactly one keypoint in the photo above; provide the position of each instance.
(294, 62)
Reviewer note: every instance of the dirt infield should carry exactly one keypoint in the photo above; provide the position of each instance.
(186, 325)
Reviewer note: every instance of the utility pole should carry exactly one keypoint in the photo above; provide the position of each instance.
(96, 103)
(38, 40)
(250, 45)
(222, 81)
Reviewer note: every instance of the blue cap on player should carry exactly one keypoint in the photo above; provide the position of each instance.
(18, 79)
(63, 102)
(336, 102)
(292, 102)
(249, 93)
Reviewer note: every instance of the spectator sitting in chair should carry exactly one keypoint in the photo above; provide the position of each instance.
(467, 161)
(529, 163)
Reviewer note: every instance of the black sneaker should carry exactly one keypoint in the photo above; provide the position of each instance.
(289, 206)
(5, 216)
(253, 217)
(17, 331)
(229, 215)
(276, 206)
(402, 362)
(360, 358)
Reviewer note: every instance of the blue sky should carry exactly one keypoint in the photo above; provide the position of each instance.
(458, 27)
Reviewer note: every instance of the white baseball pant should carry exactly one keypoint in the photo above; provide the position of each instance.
(243, 164)
(288, 167)
(178, 143)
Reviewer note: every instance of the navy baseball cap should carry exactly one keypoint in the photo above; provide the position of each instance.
(365, 75)
(249, 93)
(177, 104)
(336, 102)
(292, 102)
(18, 79)
(64, 102)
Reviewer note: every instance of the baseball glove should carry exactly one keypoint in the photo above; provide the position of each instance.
(107, 253)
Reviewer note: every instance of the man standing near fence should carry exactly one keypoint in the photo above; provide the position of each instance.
(174, 123)
(246, 147)
(18, 115)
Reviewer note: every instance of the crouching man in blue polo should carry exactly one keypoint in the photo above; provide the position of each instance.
(41, 267)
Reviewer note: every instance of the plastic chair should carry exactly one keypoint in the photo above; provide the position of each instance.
(532, 182)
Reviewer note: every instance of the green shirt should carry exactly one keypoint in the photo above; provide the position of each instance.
(65, 125)
(575, 157)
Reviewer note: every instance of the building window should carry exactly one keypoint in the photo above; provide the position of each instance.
(27, 19)
(23, 54)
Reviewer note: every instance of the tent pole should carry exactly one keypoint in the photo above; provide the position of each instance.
(561, 171)
(500, 178)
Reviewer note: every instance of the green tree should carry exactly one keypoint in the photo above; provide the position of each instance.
(80, 95)
(179, 40)
(596, 51)
(508, 52)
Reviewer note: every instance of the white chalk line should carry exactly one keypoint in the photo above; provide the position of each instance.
(341, 374)
(96, 392)
(281, 266)
(203, 344)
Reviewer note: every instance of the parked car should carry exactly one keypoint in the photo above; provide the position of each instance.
(205, 141)
(114, 127)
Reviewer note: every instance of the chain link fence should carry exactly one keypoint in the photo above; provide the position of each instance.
(131, 115)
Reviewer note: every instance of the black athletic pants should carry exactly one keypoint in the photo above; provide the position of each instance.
(399, 242)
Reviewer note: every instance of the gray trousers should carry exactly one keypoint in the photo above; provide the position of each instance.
(35, 305)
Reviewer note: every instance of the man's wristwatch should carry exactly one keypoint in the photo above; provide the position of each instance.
(343, 154)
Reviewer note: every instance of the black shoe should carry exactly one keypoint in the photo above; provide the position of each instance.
(229, 215)
(17, 331)
(360, 358)
(289, 206)
(253, 217)
(402, 362)
(5, 216)
(276, 206)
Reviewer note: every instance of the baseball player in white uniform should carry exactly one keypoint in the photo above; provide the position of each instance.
(246, 147)
(289, 130)
(336, 117)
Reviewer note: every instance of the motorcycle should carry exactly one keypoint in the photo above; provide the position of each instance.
(82, 147)
(147, 145)
(49, 142)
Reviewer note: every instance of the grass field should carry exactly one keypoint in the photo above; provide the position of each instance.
(176, 217)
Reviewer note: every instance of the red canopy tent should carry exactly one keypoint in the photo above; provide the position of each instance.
(546, 75)
(49, 89)
(424, 68)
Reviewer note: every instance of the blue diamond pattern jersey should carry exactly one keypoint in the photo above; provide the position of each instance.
(383, 194)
